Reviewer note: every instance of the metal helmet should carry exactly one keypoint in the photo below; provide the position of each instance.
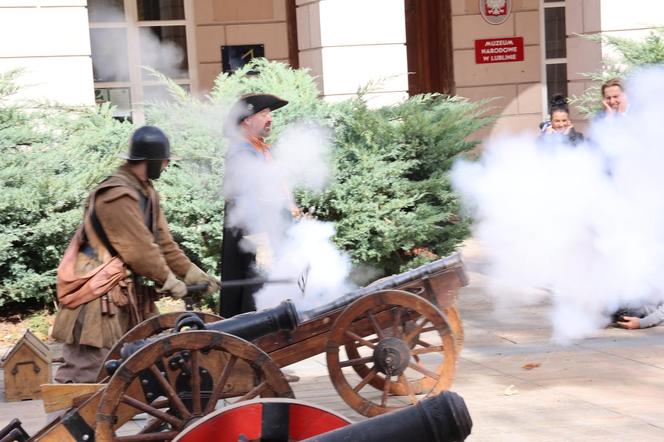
(148, 143)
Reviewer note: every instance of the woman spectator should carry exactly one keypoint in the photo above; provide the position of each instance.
(559, 123)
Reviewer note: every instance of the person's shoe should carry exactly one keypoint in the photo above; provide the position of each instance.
(290, 377)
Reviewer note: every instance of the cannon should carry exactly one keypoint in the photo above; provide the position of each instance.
(442, 418)
(13, 432)
(401, 336)
(176, 378)
(408, 318)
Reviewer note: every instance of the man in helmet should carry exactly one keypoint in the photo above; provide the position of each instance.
(247, 127)
(122, 219)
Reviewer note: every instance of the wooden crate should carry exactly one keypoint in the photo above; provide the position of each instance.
(27, 366)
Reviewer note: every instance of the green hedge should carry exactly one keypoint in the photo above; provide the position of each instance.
(51, 158)
(389, 197)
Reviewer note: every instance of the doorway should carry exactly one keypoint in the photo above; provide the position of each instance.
(429, 46)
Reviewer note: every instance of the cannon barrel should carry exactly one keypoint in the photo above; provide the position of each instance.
(443, 418)
(384, 284)
(249, 326)
(13, 432)
(252, 325)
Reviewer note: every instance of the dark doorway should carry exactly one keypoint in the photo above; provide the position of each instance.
(429, 46)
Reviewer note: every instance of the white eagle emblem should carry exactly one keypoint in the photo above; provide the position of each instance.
(496, 7)
(495, 12)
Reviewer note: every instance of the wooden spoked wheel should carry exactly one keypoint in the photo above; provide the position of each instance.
(150, 327)
(454, 319)
(179, 378)
(388, 354)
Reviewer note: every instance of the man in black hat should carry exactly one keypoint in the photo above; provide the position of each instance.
(247, 127)
(122, 219)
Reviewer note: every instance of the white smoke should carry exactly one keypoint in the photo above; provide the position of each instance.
(262, 193)
(303, 154)
(585, 222)
(163, 56)
(309, 253)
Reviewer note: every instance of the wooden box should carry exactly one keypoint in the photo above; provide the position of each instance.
(27, 365)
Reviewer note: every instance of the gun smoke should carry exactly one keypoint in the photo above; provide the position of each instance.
(263, 196)
(585, 223)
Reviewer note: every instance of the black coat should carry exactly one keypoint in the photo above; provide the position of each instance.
(236, 263)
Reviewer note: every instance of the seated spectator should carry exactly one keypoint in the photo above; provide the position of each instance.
(559, 123)
(648, 315)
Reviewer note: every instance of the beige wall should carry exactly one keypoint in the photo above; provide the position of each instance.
(49, 40)
(516, 85)
(346, 51)
(236, 22)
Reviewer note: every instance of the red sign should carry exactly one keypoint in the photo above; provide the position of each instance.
(499, 50)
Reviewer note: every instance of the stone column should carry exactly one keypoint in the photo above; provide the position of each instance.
(349, 44)
(50, 41)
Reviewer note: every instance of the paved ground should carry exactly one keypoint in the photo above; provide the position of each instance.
(607, 388)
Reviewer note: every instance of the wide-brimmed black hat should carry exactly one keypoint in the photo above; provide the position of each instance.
(251, 104)
(148, 143)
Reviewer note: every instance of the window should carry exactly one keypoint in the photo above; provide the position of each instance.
(106, 11)
(556, 80)
(555, 49)
(160, 10)
(109, 54)
(127, 35)
(554, 31)
(119, 97)
(164, 48)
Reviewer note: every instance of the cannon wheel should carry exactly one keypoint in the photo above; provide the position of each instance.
(454, 319)
(172, 409)
(408, 345)
(150, 327)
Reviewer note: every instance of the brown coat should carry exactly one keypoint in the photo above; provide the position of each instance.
(119, 202)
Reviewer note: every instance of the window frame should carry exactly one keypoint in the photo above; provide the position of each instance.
(547, 61)
(136, 82)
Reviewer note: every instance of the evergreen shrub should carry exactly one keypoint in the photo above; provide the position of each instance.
(51, 158)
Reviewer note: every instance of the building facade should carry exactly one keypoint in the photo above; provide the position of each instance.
(518, 52)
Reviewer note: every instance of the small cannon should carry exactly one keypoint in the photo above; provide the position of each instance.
(415, 277)
(178, 377)
(401, 336)
(13, 432)
(442, 418)
(249, 326)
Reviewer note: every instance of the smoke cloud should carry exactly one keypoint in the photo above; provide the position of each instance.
(584, 223)
(262, 194)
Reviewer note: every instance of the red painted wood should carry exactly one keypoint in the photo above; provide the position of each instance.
(226, 425)
(308, 421)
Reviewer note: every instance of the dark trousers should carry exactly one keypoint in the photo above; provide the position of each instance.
(236, 264)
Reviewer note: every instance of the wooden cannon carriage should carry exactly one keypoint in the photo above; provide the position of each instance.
(401, 336)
